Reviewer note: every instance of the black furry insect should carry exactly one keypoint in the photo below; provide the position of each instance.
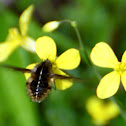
(39, 84)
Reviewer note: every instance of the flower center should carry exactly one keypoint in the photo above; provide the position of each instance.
(121, 67)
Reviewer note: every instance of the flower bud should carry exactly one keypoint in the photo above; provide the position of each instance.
(50, 26)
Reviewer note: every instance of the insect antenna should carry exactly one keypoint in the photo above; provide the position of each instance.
(17, 68)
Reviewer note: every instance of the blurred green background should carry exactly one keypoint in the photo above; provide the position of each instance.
(98, 20)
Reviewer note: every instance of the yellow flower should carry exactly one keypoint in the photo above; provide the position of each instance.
(101, 111)
(45, 48)
(51, 26)
(102, 55)
(16, 38)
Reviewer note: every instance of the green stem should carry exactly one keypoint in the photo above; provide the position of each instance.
(81, 45)
(123, 114)
(74, 25)
(79, 39)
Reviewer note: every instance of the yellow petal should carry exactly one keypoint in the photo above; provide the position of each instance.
(123, 79)
(28, 43)
(68, 60)
(6, 48)
(30, 66)
(102, 55)
(50, 26)
(108, 85)
(123, 60)
(46, 48)
(24, 19)
(13, 34)
(62, 84)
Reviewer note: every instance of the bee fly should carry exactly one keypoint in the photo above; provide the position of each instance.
(39, 84)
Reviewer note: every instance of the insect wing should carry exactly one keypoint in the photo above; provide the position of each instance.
(17, 68)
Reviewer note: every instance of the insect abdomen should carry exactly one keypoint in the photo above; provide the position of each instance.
(37, 92)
